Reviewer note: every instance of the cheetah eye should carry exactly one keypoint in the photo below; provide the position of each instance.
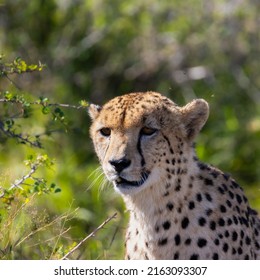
(148, 131)
(105, 131)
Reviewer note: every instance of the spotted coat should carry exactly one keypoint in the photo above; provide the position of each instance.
(180, 208)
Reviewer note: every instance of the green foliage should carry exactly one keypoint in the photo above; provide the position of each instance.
(18, 66)
(96, 50)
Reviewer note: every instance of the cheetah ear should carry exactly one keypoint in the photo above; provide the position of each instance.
(194, 116)
(94, 111)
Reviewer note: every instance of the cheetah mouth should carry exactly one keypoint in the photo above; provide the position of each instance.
(123, 183)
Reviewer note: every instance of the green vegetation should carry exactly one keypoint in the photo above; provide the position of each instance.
(57, 56)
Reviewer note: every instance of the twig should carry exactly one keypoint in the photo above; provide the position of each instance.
(13, 101)
(89, 236)
(25, 177)
(3, 192)
(11, 81)
(59, 218)
(9, 133)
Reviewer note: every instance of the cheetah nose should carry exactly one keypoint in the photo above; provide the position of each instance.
(120, 164)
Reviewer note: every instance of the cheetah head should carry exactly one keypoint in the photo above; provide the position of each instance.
(133, 135)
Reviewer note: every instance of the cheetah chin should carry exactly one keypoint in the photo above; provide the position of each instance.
(122, 183)
(130, 187)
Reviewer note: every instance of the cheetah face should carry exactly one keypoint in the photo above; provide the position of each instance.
(134, 133)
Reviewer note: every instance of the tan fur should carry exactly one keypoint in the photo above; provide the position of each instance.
(179, 207)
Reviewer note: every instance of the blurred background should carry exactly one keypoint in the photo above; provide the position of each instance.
(95, 50)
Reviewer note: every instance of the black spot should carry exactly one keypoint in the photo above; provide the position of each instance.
(212, 225)
(208, 196)
(216, 241)
(208, 182)
(221, 222)
(199, 197)
(238, 209)
(244, 221)
(226, 233)
(215, 256)
(176, 256)
(234, 184)
(229, 204)
(177, 188)
(229, 221)
(202, 166)
(240, 251)
(239, 199)
(234, 236)
(177, 239)
(245, 199)
(128, 257)
(209, 212)
(162, 242)
(248, 240)
(135, 247)
(221, 190)
(146, 256)
(194, 257)
(173, 161)
(166, 225)
(202, 242)
(235, 220)
(157, 228)
(202, 221)
(226, 176)
(246, 257)
(234, 251)
(187, 241)
(223, 209)
(225, 247)
(166, 193)
(242, 234)
(225, 187)
(191, 205)
(169, 206)
(185, 222)
(231, 194)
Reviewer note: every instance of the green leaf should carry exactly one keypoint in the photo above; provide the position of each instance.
(8, 95)
(46, 110)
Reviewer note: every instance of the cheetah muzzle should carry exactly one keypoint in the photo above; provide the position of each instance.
(180, 208)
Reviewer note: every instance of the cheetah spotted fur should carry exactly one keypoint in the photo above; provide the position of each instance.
(180, 208)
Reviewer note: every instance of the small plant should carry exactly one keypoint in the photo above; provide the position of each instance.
(27, 230)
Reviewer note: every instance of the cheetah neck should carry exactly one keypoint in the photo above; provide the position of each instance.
(156, 201)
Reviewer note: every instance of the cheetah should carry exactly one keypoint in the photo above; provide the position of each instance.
(180, 208)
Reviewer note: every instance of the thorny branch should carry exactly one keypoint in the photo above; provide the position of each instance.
(92, 234)
(23, 139)
(17, 183)
(77, 107)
